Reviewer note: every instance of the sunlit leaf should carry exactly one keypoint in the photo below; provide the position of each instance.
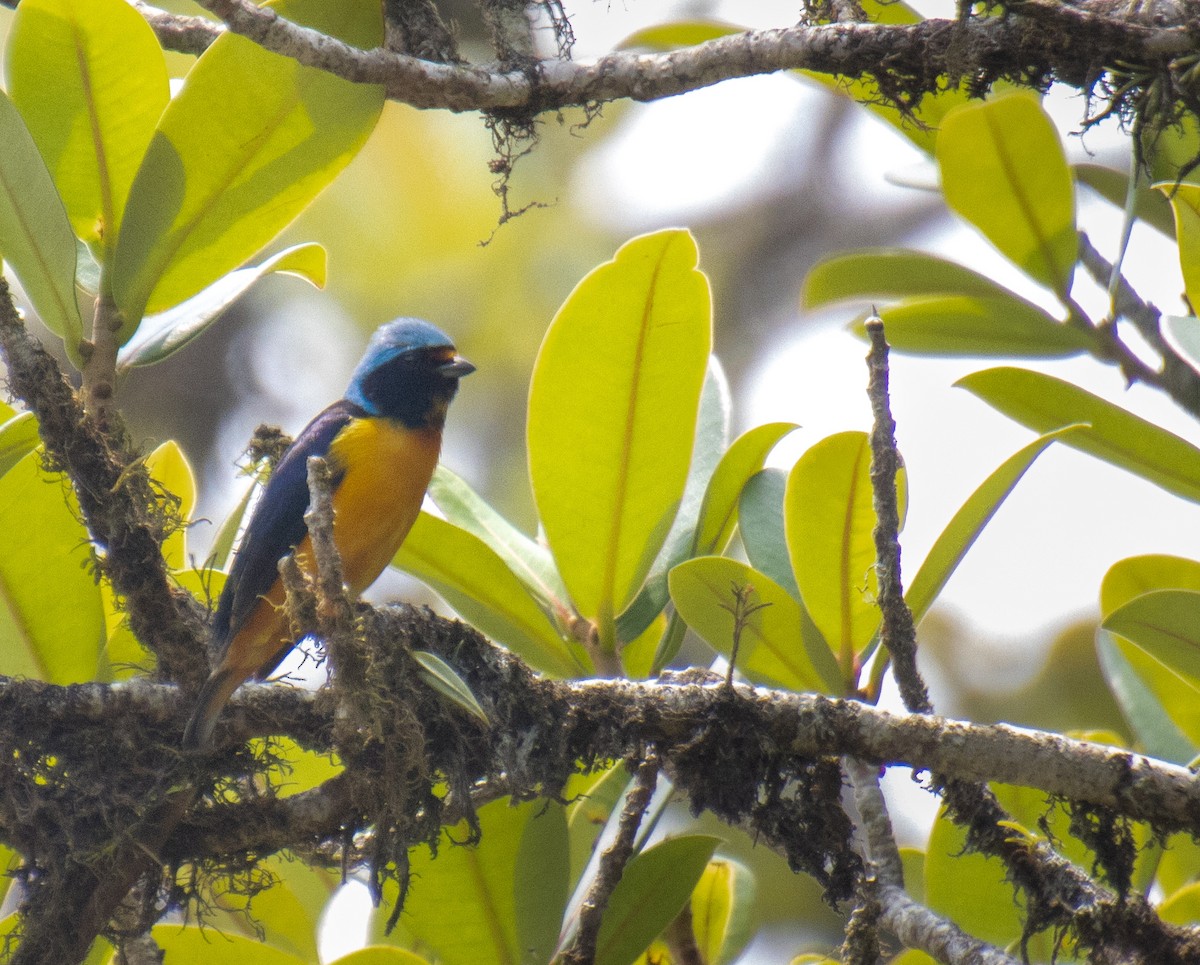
(653, 889)
(886, 273)
(1183, 333)
(162, 335)
(1183, 907)
(961, 325)
(222, 547)
(1179, 863)
(1185, 202)
(1004, 170)
(541, 883)
(775, 649)
(252, 138)
(18, 437)
(760, 520)
(1044, 403)
(172, 474)
(829, 525)
(36, 239)
(51, 616)
(1166, 624)
(1136, 575)
(443, 678)
(723, 906)
(300, 770)
(381, 955)
(192, 944)
(474, 580)
(592, 798)
(612, 417)
(90, 79)
(961, 532)
(1149, 721)
(712, 439)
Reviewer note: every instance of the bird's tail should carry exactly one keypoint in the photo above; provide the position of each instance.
(213, 696)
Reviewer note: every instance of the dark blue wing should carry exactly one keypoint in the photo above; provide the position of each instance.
(277, 524)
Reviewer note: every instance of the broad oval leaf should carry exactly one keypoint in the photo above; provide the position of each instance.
(1044, 403)
(1183, 333)
(476, 582)
(777, 647)
(829, 523)
(956, 540)
(91, 81)
(172, 474)
(541, 883)
(445, 680)
(651, 892)
(1136, 575)
(1166, 624)
(878, 273)
(187, 943)
(35, 235)
(251, 139)
(381, 955)
(723, 907)
(1185, 202)
(1004, 170)
(18, 438)
(51, 614)
(1004, 326)
(159, 336)
(612, 416)
(760, 521)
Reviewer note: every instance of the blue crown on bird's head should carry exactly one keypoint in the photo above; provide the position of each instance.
(393, 342)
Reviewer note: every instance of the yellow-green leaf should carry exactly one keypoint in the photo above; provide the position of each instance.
(476, 582)
(829, 523)
(723, 907)
(249, 142)
(51, 616)
(1185, 202)
(777, 647)
(164, 334)
(185, 943)
(1004, 170)
(1044, 403)
(18, 438)
(541, 883)
(1166, 624)
(886, 273)
(91, 81)
(36, 239)
(445, 680)
(612, 416)
(1136, 575)
(380, 955)
(176, 485)
(1113, 185)
(1157, 734)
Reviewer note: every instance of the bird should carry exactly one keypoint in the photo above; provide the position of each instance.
(382, 441)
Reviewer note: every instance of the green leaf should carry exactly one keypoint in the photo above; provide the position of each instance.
(51, 616)
(962, 325)
(172, 475)
(91, 81)
(35, 236)
(474, 580)
(1185, 202)
(445, 680)
(1136, 575)
(541, 884)
(462, 906)
(18, 438)
(1183, 907)
(760, 520)
(954, 542)
(222, 546)
(1004, 170)
(300, 770)
(1149, 721)
(529, 560)
(1044, 403)
(251, 139)
(712, 439)
(723, 906)
(1183, 335)
(612, 417)
(829, 525)
(651, 892)
(159, 336)
(775, 647)
(1166, 624)
(1112, 185)
(592, 799)
(185, 943)
(380, 955)
(887, 273)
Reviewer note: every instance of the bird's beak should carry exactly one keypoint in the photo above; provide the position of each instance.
(456, 368)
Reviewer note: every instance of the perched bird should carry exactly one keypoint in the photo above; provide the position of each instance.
(382, 442)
